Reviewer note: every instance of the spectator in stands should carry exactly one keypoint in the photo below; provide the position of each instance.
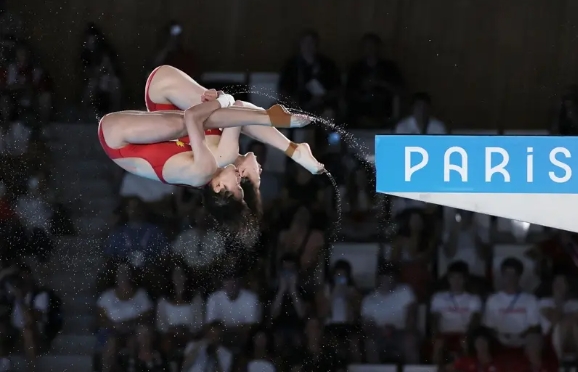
(208, 354)
(238, 309)
(303, 240)
(420, 121)
(30, 315)
(413, 249)
(339, 304)
(566, 119)
(28, 83)
(454, 313)
(7, 272)
(319, 353)
(311, 79)
(16, 136)
(10, 24)
(389, 317)
(559, 250)
(173, 52)
(288, 305)
(94, 47)
(362, 205)
(35, 213)
(200, 244)
(137, 240)
(143, 356)
(180, 311)
(559, 316)
(157, 196)
(513, 315)
(120, 310)
(373, 87)
(466, 241)
(480, 354)
(303, 188)
(7, 213)
(104, 87)
(260, 351)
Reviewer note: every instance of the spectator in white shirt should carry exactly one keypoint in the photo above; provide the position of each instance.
(514, 315)
(420, 121)
(238, 309)
(120, 310)
(454, 313)
(180, 311)
(157, 196)
(34, 211)
(200, 244)
(559, 316)
(208, 354)
(389, 317)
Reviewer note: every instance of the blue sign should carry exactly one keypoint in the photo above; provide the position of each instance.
(476, 164)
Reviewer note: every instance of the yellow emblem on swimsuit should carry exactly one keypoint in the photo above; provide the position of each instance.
(180, 143)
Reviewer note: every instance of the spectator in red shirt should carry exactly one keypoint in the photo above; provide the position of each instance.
(481, 355)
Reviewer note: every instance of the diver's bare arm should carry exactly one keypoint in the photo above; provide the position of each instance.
(205, 164)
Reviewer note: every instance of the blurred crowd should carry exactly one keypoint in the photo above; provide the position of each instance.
(175, 295)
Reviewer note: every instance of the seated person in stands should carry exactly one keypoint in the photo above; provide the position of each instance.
(480, 354)
(454, 313)
(29, 316)
(121, 309)
(339, 303)
(35, 212)
(137, 241)
(288, 306)
(389, 318)
(179, 311)
(142, 354)
(514, 317)
(208, 354)
(559, 316)
(236, 308)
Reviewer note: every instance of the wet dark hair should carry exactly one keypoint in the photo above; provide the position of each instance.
(252, 197)
(232, 216)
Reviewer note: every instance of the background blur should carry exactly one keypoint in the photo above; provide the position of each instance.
(104, 271)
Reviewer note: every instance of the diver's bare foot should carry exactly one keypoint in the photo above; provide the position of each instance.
(303, 156)
(281, 118)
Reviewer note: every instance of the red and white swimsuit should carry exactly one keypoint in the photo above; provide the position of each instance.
(156, 154)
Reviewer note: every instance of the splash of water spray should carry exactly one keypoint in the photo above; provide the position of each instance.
(337, 222)
(359, 150)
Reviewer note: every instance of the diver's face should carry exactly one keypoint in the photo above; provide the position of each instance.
(228, 179)
(249, 168)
